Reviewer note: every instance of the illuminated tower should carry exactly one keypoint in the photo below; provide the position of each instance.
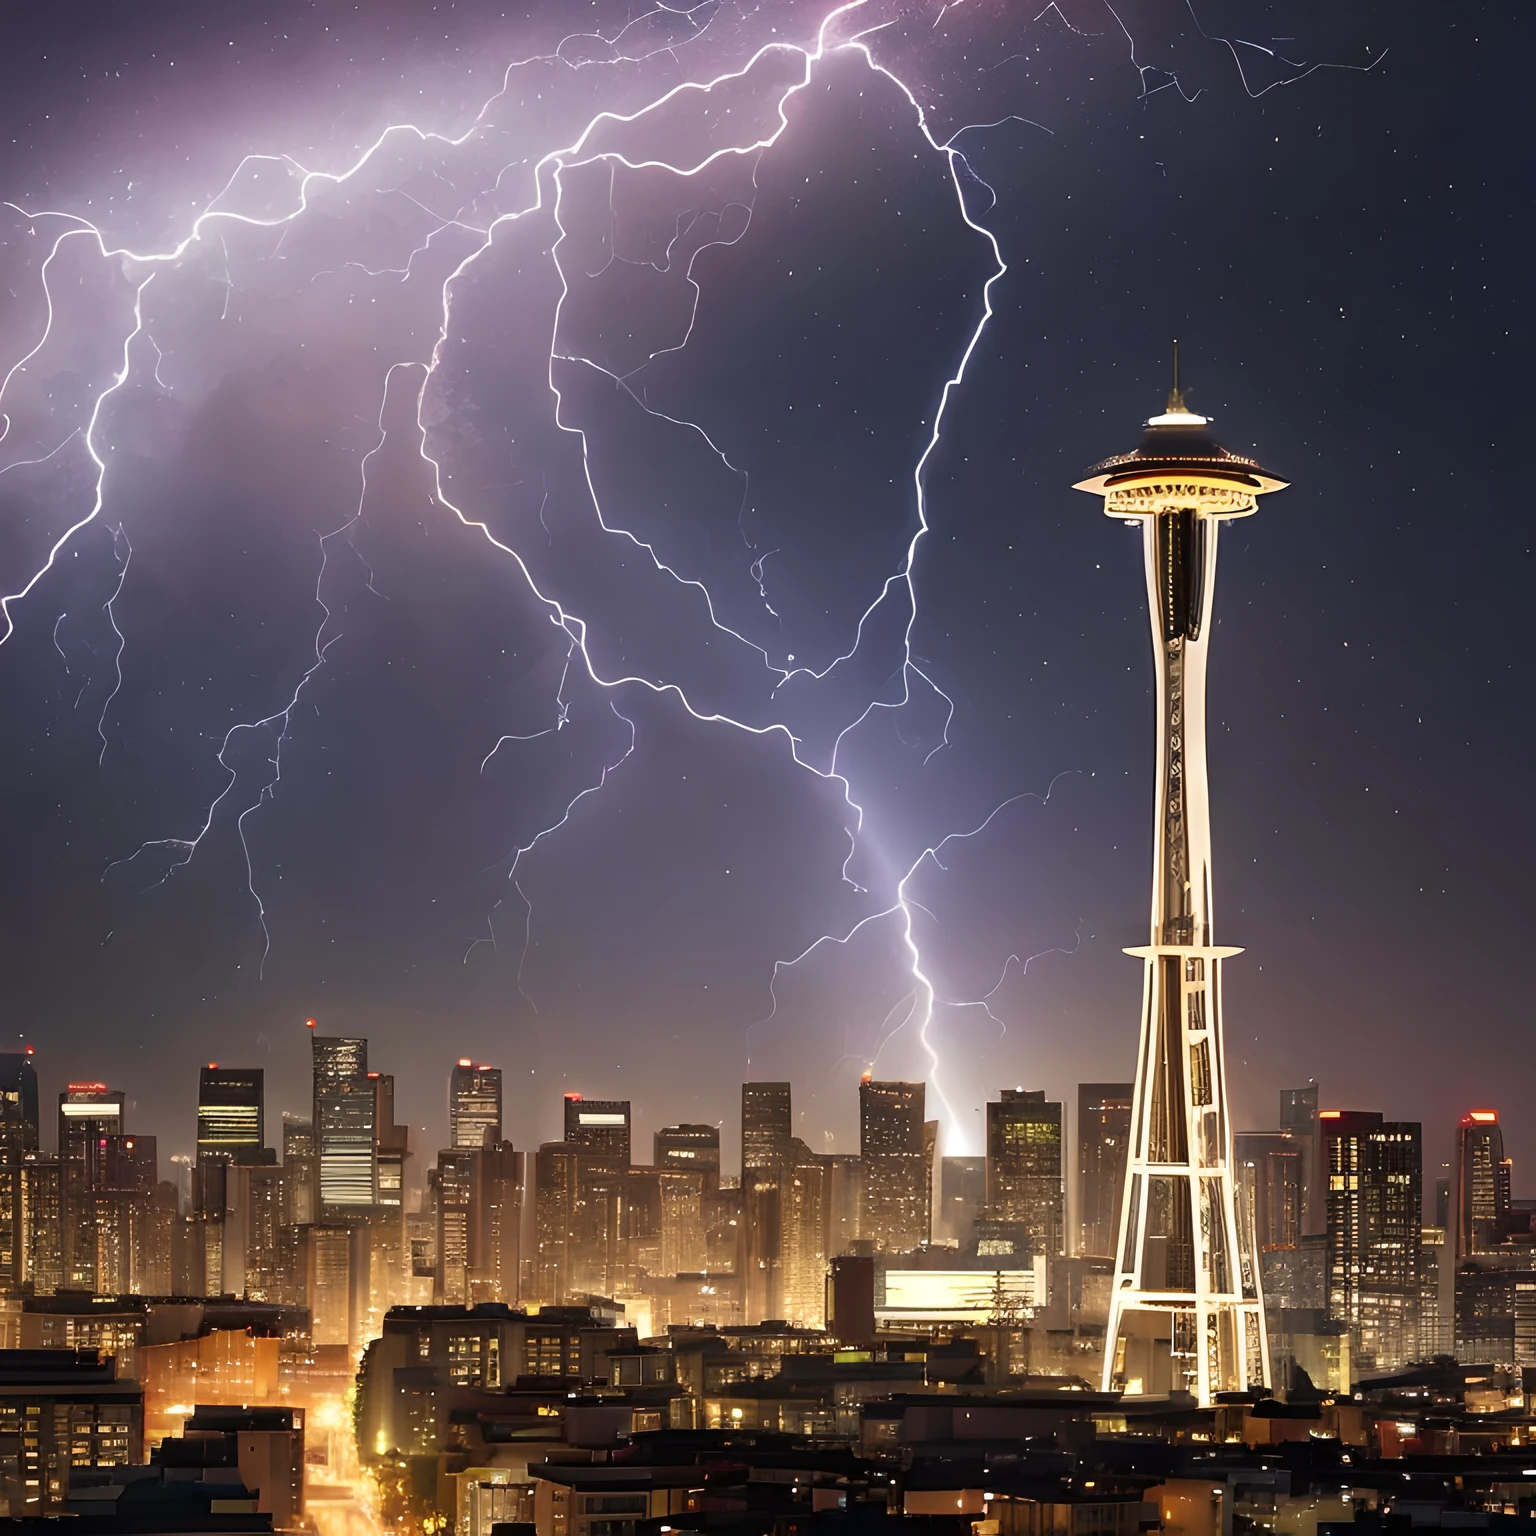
(1185, 1312)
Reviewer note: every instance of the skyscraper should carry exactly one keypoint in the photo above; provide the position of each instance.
(1482, 1184)
(391, 1142)
(1024, 1167)
(1375, 1228)
(1298, 1119)
(691, 1149)
(1103, 1139)
(89, 1114)
(474, 1104)
(301, 1176)
(766, 1123)
(891, 1146)
(598, 1126)
(230, 1115)
(962, 1194)
(18, 1101)
(18, 1136)
(1184, 1310)
(344, 1121)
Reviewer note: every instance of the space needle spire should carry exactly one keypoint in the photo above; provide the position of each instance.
(1186, 1312)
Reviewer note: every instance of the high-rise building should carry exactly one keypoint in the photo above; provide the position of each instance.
(1375, 1229)
(89, 1114)
(230, 1121)
(42, 1222)
(18, 1101)
(1185, 1311)
(301, 1174)
(784, 1236)
(766, 1123)
(891, 1145)
(690, 1148)
(1298, 1119)
(344, 1120)
(598, 1126)
(1482, 1184)
(1103, 1139)
(556, 1181)
(391, 1144)
(962, 1195)
(1271, 1181)
(1024, 1183)
(474, 1104)
(454, 1181)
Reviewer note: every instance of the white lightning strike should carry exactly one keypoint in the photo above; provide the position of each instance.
(549, 170)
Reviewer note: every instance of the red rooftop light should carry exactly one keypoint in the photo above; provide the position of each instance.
(1484, 1116)
(574, 1098)
(464, 1061)
(309, 1023)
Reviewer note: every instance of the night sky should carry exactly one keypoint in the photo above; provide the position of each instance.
(1344, 255)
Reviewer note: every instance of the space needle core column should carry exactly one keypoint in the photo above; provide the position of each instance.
(1185, 1313)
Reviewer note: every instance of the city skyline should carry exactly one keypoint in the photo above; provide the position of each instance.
(659, 910)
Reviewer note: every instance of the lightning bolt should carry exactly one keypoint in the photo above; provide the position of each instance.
(839, 32)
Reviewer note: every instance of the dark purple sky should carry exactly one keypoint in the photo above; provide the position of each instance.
(1344, 258)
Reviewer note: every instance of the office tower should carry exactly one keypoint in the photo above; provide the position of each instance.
(494, 1276)
(128, 1174)
(556, 1176)
(474, 1104)
(345, 1107)
(327, 1264)
(599, 1127)
(1482, 1184)
(1184, 1310)
(1434, 1333)
(89, 1113)
(453, 1181)
(1270, 1169)
(301, 1173)
(253, 1258)
(784, 1235)
(18, 1136)
(681, 1237)
(962, 1195)
(18, 1101)
(691, 1148)
(392, 1142)
(1103, 1139)
(1024, 1183)
(42, 1222)
(1375, 1227)
(895, 1212)
(1298, 1120)
(766, 1123)
(230, 1120)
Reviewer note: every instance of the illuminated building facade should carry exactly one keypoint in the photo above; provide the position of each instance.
(474, 1104)
(598, 1126)
(89, 1114)
(1482, 1184)
(229, 1111)
(1185, 1310)
(893, 1148)
(1103, 1139)
(344, 1122)
(1024, 1182)
(690, 1149)
(766, 1123)
(1375, 1229)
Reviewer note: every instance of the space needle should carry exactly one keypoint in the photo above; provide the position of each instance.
(1186, 1312)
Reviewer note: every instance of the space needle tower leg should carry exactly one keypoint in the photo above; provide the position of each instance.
(1185, 1312)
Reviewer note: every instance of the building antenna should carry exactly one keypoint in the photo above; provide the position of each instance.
(1176, 395)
